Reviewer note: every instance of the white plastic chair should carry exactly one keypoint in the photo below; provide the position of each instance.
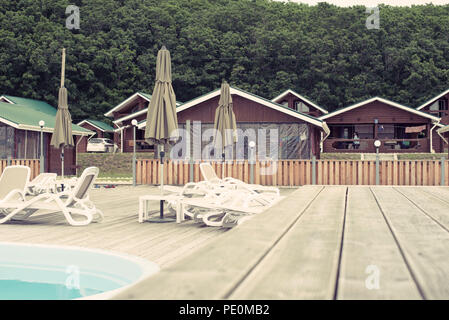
(71, 202)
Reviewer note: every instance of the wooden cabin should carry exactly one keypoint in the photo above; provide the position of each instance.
(398, 127)
(439, 107)
(298, 134)
(297, 102)
(20, 133)
(101, 129)
(134, 107)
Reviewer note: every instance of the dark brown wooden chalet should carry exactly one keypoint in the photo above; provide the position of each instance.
(299, 134)
(398, 127)
(438, 106)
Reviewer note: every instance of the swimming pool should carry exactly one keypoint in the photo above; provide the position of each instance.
(44, 272)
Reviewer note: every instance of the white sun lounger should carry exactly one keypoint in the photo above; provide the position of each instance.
(233, 201)
(72, 202)
(214, 194)
(210, 176)
(44, 182)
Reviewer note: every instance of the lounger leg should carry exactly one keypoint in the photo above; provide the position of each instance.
(179, 212)
(140, 219)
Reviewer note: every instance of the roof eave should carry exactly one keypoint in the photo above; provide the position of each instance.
(432, 100)
(300, 97)
(93, 125)
(391, 103)
(110, 113)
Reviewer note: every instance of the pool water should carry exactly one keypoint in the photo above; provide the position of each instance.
(18, 290)
(37, 272)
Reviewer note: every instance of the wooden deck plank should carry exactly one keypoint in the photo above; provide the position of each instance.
(304, 263)
(245, 246)
(424, 243)
(431, 204)
(369, 250)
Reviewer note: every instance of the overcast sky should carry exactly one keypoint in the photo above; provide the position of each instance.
(371, 3)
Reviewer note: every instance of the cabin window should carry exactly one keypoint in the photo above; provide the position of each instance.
(439, 107)
(385, 131)
(273, 140)
(442, 106)
(301, 107)
(285, 103)
(364, 131)
(6, 141)
(346, 131)
(434, 106)
(27, 144)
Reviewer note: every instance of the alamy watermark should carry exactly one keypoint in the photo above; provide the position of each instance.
(250, 144)
(73, 279)
(372, 282)
(73, 20)
(373, 21)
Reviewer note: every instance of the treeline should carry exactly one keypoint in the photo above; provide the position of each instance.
(323, 52)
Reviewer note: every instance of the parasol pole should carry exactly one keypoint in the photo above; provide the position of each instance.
(62, 86)
(162, 154)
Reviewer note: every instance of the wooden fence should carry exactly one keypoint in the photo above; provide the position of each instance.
(303, 172)
(32, 163)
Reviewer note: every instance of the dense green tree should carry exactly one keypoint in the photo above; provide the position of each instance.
(324, 52)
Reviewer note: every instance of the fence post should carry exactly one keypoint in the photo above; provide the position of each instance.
(377, 168)
(313, 170)
(251, 162)
(188, 153)
(442, 171)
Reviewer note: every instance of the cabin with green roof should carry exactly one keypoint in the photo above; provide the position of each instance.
(20, 133)
(101, 129)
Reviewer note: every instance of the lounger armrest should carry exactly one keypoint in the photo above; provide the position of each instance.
(15, 193)
(192, 186)
(232, 180)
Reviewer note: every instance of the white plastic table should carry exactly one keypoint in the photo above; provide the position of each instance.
(144, 205)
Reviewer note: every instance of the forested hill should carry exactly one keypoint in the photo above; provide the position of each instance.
(324, 52)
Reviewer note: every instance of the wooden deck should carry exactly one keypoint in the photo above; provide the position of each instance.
(322, 242)
(119, 231)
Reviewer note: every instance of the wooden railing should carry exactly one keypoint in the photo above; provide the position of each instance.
(32, 163)
(367, 145)
(303, 172)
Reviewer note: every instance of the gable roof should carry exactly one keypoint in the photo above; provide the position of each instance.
(131, 115)
(27, 114)
(433, 99)
(143, 95)
(100, 125)
(252, 97)
(388, 102)
(300, 97)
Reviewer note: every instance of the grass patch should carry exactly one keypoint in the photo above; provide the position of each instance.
(114, 165)
(421, 156)
(340, 156)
